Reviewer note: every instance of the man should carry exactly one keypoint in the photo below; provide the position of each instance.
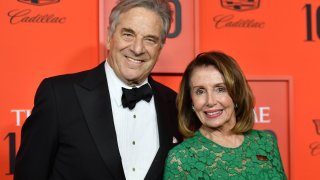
(87, 126)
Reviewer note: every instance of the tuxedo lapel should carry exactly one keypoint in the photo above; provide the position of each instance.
(93, 95)
(161, 102)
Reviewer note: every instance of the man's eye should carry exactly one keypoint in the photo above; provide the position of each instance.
(127, 36)
(150, 41)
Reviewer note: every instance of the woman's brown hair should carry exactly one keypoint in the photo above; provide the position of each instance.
(237, 86)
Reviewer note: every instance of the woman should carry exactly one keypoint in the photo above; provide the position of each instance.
(216, 116)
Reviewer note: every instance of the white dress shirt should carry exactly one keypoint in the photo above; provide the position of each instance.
(136, 129)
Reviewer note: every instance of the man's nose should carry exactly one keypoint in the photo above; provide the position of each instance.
(138, 47)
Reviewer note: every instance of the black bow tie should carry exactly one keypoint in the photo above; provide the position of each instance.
(131, 96)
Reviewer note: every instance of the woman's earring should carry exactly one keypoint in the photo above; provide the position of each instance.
(236, 106)
(192, 108)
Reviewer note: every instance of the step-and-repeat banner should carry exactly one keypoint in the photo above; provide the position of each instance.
(39, 38)
(276, 43)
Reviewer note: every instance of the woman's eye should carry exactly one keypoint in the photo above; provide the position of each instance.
(199, 91)
(221, 89)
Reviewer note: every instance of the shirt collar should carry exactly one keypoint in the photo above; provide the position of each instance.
(115, 84)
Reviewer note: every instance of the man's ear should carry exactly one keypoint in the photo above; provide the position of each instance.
(108, 41)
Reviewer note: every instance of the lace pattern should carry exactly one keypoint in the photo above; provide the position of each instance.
(199, 158)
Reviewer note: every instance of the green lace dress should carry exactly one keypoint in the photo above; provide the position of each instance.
(257, 158)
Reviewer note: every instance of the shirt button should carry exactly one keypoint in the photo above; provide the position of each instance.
(134, 116)
(133, 169)
(133, 142)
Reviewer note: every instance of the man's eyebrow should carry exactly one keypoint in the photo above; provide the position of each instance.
(156, 38)
(127, 30)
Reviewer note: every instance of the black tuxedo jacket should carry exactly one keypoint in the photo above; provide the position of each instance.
(71, 135)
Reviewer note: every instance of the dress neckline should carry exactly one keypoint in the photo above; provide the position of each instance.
(209, 141)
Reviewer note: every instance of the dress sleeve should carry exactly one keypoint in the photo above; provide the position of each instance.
(172, 169)
(276, 160)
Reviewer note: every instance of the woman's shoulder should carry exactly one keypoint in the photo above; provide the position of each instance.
(185, 144)
(188, 145)
(260, 134)
(262, 137)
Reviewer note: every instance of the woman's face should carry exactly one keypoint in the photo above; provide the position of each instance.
(211, 100)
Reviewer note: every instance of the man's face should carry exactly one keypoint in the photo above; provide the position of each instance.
(135, 45)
